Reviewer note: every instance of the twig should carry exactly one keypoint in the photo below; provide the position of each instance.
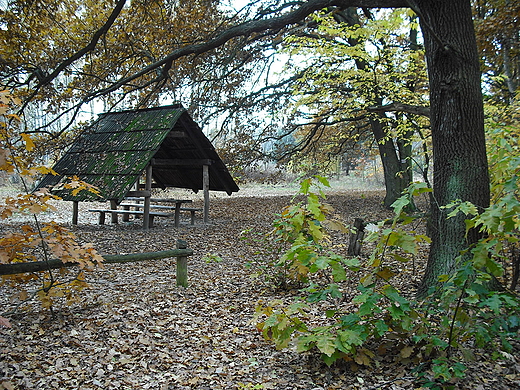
(452, 325)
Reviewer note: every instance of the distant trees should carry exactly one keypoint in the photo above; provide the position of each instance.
(363, 79)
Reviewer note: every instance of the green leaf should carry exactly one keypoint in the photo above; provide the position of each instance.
(349, 320)
(339, 273)
(321, 262)
(493, 302)
(380, 328)
(407, 243)
(304, 186)
(330, 360)
(400, 204)
(326, 343)
(305, 342)
(315, 231)
(330, 313)
(349, 337)
(323, 180)
(314, 206)
(370, 306)
(352, 264)
(399, 258)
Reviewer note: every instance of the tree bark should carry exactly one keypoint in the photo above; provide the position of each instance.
(395, 162)
(457, 121)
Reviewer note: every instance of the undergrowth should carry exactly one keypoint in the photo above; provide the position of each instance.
(438, 335)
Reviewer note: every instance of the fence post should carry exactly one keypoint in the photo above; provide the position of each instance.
(182, 265)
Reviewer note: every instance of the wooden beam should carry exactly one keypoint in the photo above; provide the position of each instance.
(182, 265)
(113, 206)
(180, 253)
(176, 134)
(175, 162)
(75, 212)
(138, 194)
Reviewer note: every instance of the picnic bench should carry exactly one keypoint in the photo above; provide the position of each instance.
(151, 215)
(137, 206)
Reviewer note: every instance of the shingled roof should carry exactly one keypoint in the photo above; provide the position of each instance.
(113, 153)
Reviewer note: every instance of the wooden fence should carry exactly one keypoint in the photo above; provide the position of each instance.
(181, 253)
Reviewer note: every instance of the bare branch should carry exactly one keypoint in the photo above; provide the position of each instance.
(79, 54)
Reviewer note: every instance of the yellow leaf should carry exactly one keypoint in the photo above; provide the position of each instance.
(362, 359)
(4, 109)
(385, 273)
(23, 295)
(3, 156)
(29, 144)
(367, 280)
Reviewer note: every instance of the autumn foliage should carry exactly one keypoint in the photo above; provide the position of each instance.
(36, 241)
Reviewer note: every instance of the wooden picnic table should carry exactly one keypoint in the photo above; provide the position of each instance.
(175, 205)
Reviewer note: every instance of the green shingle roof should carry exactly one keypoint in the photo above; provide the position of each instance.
(115, 150)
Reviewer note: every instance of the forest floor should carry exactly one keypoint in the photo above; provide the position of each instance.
(135, 329)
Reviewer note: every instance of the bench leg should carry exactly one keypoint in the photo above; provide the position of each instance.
(101, 218)
(126, 217)
(150, 218)
(192, 216)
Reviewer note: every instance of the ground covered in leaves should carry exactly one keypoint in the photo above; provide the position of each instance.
(135, 329)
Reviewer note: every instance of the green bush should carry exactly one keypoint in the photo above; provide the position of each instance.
(436, 334)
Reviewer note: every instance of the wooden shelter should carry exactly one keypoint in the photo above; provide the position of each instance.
(164, 144)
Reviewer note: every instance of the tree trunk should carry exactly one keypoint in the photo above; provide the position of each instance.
(395, 165)
(457, 121)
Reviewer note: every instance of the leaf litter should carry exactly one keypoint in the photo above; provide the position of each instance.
(135, 329)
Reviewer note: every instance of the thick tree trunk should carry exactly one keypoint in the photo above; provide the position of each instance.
(457, 121)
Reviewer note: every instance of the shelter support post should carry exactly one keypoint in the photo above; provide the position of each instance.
(75, 211)
(205, 186)
(148, 188)
(113, 206)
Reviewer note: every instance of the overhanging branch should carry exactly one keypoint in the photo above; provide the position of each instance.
(245, 29)
(401, 107)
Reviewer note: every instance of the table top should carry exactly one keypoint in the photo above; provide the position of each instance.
(162, 200)
(170, 200)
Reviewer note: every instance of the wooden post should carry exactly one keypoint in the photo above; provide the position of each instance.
(147, 187)
(182, 265)
(205, 186)
(356, 238)
(75, 212)
(113, 206)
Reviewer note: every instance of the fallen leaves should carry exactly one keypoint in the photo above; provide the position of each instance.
(134, 329)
